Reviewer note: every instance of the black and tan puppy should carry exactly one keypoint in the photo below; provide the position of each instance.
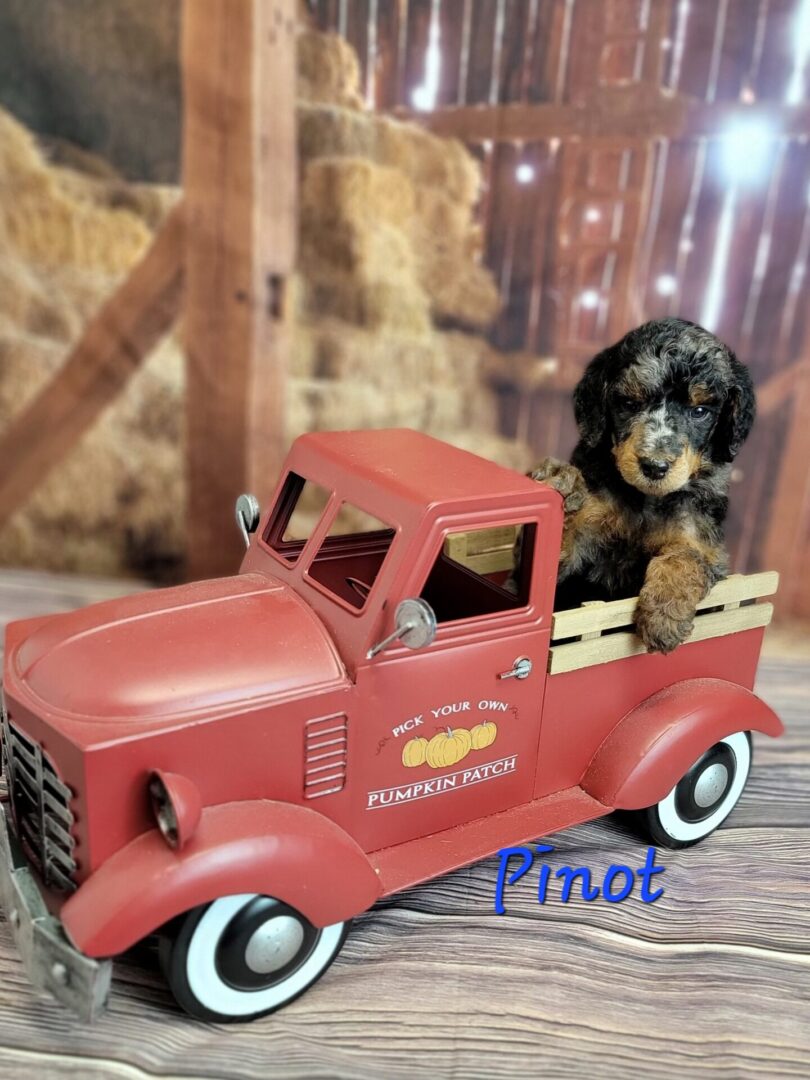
(661, 415)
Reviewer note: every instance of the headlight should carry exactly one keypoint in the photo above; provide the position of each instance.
(177, 806)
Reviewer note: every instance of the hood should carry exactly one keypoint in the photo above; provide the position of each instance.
(204, 647)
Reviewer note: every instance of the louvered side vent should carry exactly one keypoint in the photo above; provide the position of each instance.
(326, 747)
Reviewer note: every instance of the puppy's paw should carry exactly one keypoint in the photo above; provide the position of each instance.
(659, 624)
(565, 478)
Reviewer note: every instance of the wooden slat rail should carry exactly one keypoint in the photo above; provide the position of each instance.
(616, 613)
(112, 347)
(588, 623)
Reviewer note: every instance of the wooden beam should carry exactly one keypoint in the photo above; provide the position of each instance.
(617, 114)
(773, 394)
(109, 352)
(239, 174)
(786, 547)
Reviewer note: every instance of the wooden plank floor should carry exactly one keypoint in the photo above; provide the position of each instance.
(713, 979)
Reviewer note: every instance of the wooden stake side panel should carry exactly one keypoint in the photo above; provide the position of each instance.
(588, 623)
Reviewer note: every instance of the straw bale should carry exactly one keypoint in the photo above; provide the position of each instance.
(350, 205)
(426, 159)
(328, 71)
(103, 75)
(44, 221)
(336, 189)
(383, 358)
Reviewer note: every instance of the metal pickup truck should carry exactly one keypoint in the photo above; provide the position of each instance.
(383, 693)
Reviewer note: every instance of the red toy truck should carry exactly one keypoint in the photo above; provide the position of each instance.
(241, 766)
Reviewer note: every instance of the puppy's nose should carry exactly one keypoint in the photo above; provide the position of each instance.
(654, 470)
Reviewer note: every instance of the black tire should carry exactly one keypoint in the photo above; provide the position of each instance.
(703, 798)
(244, 956)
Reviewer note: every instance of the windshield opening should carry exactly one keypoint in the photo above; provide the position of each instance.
(299, 508)
(352, 554)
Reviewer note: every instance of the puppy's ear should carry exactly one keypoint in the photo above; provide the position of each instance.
(738, 413)
(590, 400)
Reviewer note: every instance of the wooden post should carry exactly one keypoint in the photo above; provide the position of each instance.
(239, 175)
(110, 350)
(786, 548)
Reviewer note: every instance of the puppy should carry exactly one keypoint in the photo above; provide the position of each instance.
(661, 416)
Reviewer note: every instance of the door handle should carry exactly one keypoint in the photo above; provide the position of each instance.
(522, 669)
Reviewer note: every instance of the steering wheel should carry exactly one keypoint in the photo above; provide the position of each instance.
(360, 587)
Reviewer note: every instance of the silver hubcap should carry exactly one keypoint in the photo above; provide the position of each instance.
(274, 944)
(711, 784)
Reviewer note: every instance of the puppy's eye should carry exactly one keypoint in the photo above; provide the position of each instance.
(699, 412)
(627, 403)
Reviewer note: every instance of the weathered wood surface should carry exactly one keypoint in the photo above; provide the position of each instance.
(713, 979)
(240, 184)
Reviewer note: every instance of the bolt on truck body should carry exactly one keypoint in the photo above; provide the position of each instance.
(242, 765)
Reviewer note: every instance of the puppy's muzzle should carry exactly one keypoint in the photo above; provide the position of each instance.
(654, 468)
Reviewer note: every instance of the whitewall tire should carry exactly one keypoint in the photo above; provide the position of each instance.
(704, 797)
(245, 955)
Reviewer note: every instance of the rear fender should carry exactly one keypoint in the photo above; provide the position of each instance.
(274, 848)
(656, 743)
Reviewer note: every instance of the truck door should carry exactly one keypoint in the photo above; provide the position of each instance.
(450, 731)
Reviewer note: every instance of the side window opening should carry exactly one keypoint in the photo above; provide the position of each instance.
(299, 508)
(352, 554)
(481, 572)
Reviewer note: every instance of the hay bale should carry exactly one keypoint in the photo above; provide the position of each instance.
(46, 222)
(328, 71)
(355, 258)
(369, 220)
(131, 517)
(335, 190)
(426, 159)
(64, 244)
(103, 75)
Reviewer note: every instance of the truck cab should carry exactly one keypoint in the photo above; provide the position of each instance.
(387, 516)
(381, 694)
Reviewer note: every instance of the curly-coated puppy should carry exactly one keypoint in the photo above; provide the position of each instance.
(661, 415)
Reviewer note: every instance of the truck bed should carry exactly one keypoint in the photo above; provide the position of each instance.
(599, 632)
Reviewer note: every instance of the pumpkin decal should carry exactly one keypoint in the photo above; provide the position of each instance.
(414, 752)
(483, 735)
(448, 747)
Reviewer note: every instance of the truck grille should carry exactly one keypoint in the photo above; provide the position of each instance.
(326, 747)
(40, 805)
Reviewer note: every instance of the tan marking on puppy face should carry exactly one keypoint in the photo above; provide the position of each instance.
(681, 468)
(700, 395)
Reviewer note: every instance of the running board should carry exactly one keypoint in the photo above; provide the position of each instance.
(415, 861)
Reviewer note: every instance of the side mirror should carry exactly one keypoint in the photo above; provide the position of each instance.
(248, 513)
(415, 626)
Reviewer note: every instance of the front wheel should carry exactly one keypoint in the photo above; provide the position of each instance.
(704, 797)
(243, 956)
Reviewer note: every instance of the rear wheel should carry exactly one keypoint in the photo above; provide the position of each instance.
(704, 797)
(243, 956)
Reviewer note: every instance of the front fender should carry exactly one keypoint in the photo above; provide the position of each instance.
(652, 747)
(275, 848)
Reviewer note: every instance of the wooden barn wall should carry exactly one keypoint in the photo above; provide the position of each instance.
(609, 232)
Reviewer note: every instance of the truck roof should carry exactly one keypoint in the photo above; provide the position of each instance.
(410, 465)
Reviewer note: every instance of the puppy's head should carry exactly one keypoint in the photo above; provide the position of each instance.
(670, 401)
